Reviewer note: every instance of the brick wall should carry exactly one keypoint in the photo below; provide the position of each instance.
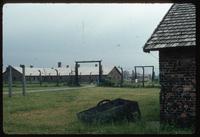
(178, 85)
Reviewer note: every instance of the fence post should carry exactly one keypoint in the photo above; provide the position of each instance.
(122, 76)
(57, 83)
(100, 72)
(40, 77)
(135, 73)
(143, 76)
(10, 80)
(30, 79)
(132, 77)
(76, 74)
(23, 80)
(153, 74)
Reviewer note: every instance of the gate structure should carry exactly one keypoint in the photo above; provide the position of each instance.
(153, 73)
(93, 61)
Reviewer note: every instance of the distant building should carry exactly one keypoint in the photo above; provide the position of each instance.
(33, 74)
(175, 39)
(115, 75)
(86, 74)
(92, 75)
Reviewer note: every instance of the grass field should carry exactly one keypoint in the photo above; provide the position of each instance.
(17, 86)
(55, 112)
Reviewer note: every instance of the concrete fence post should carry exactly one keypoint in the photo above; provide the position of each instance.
(57, 80)
(23, 80)
(153, 74)
(135, 73)
(122, 76)
(143, 77)
(10, 81)
(40, 77)
(76, 74)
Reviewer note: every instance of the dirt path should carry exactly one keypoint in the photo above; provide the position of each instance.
(52, 89)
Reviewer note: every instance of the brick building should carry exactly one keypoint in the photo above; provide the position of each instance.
(175, 39)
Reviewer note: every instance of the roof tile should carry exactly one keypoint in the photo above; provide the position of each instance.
(177, 29)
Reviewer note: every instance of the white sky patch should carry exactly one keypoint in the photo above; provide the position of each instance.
(43, 34)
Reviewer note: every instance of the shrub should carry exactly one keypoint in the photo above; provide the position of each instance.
(107, 82)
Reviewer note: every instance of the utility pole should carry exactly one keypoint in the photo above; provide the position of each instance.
(23, 80)
(10, 80)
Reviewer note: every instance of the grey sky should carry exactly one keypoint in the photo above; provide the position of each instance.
(43, 34)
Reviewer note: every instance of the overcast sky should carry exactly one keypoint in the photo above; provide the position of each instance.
(44, 34)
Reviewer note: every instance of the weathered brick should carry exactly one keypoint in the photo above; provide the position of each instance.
(177, 79)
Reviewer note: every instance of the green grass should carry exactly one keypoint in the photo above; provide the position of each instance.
(55, 112)
(17, 87)
(147, 84)
(17, 84)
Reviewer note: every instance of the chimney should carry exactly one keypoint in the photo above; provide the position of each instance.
(59, 64)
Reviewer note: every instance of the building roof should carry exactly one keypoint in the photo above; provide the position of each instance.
(44, 71)
(3, 69)
(94, 71)
(119, 71)
(62, 71)
(177, 29)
